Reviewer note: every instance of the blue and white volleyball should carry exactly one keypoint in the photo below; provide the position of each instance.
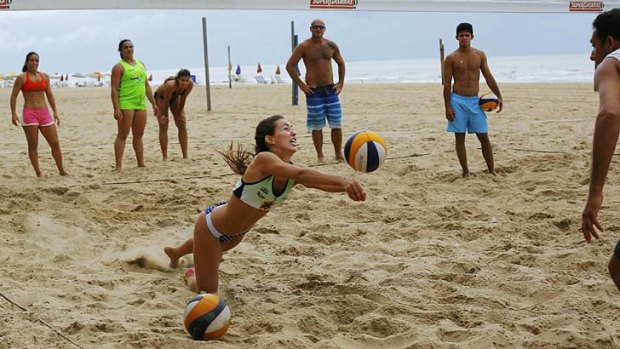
(365, 151)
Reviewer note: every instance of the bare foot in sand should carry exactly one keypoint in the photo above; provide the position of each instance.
(174, 256)
(340, 156)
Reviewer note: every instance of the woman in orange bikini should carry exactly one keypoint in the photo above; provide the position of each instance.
(35, 86)
(172, 95)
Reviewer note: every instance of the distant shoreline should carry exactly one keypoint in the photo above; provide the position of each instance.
(565, 68)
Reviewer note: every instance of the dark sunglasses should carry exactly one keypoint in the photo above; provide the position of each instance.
(317, 27)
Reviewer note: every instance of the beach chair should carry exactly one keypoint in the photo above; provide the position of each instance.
(259, 75)
(238, 78)
(260, 79)
(279, 79)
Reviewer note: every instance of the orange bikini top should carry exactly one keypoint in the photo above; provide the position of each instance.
(34, 86)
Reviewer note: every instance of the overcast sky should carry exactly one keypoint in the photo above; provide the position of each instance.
(86, 41)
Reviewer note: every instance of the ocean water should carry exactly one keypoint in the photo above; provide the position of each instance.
(505, 69)
(530, 69)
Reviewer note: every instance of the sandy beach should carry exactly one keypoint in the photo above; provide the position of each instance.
(430, 260)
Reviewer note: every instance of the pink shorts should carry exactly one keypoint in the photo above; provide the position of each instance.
(37, 117)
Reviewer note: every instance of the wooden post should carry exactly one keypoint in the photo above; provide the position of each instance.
(295, 91)
(229, 69)
(206, 53)
(441, 60)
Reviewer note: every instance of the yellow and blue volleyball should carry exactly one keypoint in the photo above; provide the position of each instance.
(488, 101)
(365, 151)
(206, 317)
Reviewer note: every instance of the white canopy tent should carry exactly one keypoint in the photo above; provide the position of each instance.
(522, 6)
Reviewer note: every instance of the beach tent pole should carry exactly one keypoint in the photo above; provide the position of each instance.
(229, 69)
(295, 91)
(441, 60)
(207, 80)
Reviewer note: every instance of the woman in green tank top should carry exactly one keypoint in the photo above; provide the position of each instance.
(129, 87)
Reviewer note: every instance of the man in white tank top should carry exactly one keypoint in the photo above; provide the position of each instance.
(606, 56)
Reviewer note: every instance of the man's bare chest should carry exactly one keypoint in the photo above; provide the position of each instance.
(319, 52)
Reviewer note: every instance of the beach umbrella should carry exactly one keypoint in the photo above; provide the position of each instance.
(78, 75)
(278, 70)
(151, 77)
(238, 71)
(259, 69)
(67, 77)
(62, 78)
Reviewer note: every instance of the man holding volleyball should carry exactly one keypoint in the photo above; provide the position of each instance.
(606, 56)
(321, 92)
(461, 99)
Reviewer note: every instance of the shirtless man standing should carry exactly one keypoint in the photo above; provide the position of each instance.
(321, 92)
(461, 100)
(606, 56)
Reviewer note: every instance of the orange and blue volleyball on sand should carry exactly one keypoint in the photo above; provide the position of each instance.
(488, 101)
(206, 316)
(365, 151)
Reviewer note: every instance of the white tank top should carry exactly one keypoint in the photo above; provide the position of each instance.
(262, 194)
(615, 54)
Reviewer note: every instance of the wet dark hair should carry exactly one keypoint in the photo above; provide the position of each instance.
(464, 27)
(120, 46)
(267, 127)
(607, 24)
(238, 159)
(25, 67)
(183, 72)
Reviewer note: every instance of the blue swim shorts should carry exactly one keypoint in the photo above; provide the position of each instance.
(468, 116)
(617, 250)
(323, 104)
